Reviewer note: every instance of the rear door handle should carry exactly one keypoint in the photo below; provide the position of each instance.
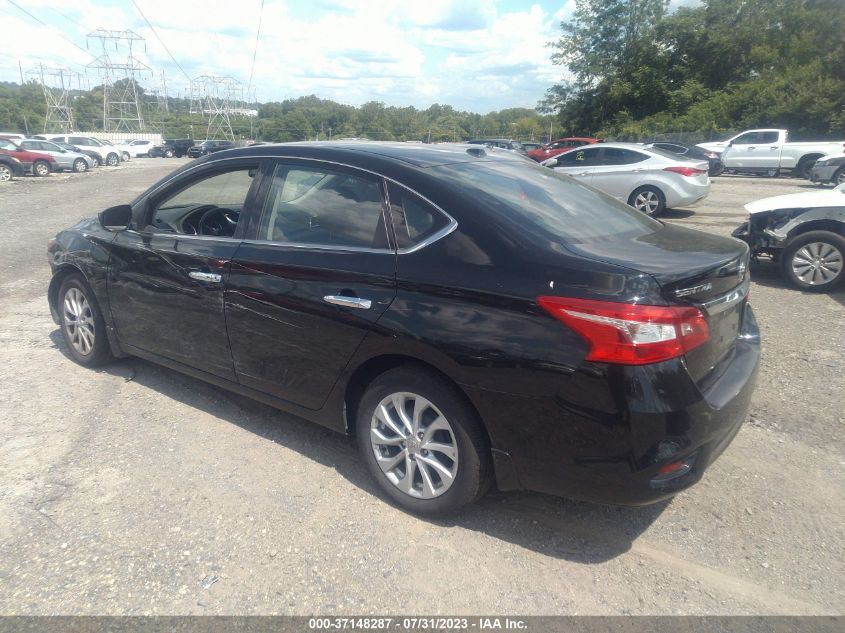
(348, 302)
(209, 277)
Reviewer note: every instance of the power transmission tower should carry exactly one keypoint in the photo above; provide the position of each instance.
(120, 73)
(56, 84)
(212, 97)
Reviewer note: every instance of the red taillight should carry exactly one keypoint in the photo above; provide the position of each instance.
(630, 334)
(685, 171)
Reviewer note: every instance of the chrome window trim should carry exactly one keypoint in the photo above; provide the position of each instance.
(450, 227)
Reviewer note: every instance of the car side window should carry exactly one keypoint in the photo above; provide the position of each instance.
(769, 137)
(323, 206)
(209, 206)
(749, 138)
(8, 145)
(414, 219)
(582, 157)
(78, 140)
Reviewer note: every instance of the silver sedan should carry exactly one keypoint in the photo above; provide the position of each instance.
(646, 178)
(65, 159)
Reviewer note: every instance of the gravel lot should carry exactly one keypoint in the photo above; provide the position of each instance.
(136, 490)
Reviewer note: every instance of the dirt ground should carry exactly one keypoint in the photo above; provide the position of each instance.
(136, 490)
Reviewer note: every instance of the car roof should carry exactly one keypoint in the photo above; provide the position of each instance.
(408, 153)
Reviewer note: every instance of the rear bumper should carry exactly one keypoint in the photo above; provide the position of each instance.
(687, 194)
(823, 174)
(609, 448)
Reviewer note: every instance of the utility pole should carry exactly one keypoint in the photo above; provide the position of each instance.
(20, 68)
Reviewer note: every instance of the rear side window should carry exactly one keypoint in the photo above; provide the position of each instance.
(78, 140)
(324, 207)
(619, 156)
(414, 220)
(769, 137)
(560, 207)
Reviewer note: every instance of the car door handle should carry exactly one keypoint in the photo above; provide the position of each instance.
(775, 147)
(209, 277)
(750, 148)
(348, 302)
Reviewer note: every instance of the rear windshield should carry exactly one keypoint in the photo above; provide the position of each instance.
(566, 210)
(667, 154)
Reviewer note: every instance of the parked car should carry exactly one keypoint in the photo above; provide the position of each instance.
(804, 233)
(694, 152)
(31, 162)
(469, 316)
(140, 147)
(124, 150)
(648, 179)
(530, 146)
(65, 159)
(209, 147)
(94, 156)
(501, 143)
(10, 167)
(171, 147)
(829, 168)
(561, 145)
(769, 152)
(109, 155)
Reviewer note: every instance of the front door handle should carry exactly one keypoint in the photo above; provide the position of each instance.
(348, 302)
(209, 277)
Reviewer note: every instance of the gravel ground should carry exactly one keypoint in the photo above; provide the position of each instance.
(136, 490)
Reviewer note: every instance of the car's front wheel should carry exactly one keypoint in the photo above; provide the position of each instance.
(839, 176)
(422, 442)
(168, 154)
(125, 156)
(82, 323)
(5, 173)
(815, 261)
(79, 165)
(41, 168)
(650, 200)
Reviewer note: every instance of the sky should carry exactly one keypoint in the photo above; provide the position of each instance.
(476, 55)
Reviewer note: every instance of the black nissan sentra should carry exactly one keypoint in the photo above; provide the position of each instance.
(470, 316)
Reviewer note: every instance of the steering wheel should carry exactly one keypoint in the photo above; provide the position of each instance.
(218, 221)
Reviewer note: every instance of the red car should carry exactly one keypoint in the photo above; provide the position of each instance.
(560, 146)
(40, 164)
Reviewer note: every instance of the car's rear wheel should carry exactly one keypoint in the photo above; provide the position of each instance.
(41, 168)
(802, 170)
(83, 328)
(79, 165)
(815, 261)
(422, 442)
(5, 173)
(112, 160)
(839, 176)
(98, 162)
(168, 153)
(717, 169)
(650, 200)
(125, 156)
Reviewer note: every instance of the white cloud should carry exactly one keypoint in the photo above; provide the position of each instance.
(471, 54)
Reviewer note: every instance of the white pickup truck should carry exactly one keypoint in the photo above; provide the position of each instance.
(767, 151)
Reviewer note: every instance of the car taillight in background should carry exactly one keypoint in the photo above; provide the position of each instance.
(630, 334)
(686, 171)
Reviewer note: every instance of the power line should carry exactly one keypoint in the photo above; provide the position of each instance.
(160, 41)
(20, 8)
(255, 50)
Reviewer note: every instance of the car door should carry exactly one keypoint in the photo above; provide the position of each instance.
(768, 149)
(167, 273)
(752, 150)
(619, 171)
(315, 275)
(579, 163)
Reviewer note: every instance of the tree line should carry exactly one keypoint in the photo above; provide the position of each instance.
(638, 72)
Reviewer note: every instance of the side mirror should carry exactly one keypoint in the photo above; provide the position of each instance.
(730, 143)
(116, 218)
(549, 162)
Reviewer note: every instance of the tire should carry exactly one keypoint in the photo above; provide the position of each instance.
(442, 481)
(41, 168)
(5, 173)
(112, 160)
(803, 168)
(717, 170)
(79, 166)
(814, 261)
(82, 325)
(98, 162)
(125, 156)
(839, 177)
(773, 173)
(168, 153)
(650, 200)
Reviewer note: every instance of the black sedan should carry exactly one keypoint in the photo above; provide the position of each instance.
(209, 147)
(691, 151)
(471, 316)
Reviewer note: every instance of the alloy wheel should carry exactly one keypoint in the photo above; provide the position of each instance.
(79, 165)
(414, 445)
(817, 263)
(5, 173)
(41, 169)
(647, 202)
(79, 321)
(839, 177)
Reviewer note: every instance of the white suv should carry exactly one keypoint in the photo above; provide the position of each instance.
(109, 154)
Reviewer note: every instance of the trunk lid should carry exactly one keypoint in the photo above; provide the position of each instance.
(692, 268)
